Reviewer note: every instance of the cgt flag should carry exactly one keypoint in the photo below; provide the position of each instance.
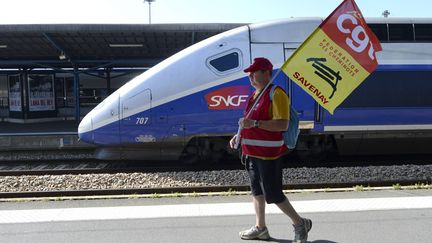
(335, 58)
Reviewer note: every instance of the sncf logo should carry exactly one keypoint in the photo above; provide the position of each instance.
(229, 98)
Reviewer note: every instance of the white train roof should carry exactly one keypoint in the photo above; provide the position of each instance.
(296, 30)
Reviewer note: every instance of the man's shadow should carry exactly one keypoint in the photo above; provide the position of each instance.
(290, 241)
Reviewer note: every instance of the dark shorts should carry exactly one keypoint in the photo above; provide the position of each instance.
(266, 178)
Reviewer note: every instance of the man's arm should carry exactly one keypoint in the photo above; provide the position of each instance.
(269, 125)
(280, 114)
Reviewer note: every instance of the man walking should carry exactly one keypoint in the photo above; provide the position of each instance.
(262, 148)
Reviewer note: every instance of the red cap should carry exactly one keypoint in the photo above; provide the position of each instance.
(260, 63)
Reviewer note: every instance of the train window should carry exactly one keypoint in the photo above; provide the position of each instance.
(380, 31)
(401, 32)
(400, 88)
(423, 32)
(225, 62)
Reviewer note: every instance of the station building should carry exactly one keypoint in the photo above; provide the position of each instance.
(60, 72)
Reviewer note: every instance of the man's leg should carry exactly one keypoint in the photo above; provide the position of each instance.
(271, 176)
(259, 205)
(259, 230)
(288, 209)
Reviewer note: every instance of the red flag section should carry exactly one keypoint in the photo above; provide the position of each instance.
(348, 29)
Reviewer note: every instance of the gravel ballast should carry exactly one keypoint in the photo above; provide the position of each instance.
(210, 178)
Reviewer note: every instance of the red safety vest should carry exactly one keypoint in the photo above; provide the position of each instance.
(259, 142)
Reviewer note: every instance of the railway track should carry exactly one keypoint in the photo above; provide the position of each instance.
(107, 167)
(81, 164)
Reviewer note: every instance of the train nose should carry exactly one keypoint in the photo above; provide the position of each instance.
(85, 130)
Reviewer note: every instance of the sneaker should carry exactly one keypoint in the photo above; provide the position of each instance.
(255, 233)
(301, 231)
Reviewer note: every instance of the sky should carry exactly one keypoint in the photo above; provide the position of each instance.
(191, 11)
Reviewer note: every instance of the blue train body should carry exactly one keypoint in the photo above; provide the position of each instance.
(189, 104)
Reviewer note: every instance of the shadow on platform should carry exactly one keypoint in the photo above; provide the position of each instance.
(290, 241)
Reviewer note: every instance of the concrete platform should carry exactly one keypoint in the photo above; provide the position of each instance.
(380, 216)
(8, 128)
(36, 136)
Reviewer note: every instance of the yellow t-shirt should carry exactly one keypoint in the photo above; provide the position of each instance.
(280, 105)
(279, 110)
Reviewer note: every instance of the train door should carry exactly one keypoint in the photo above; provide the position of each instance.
(308, 109)
(136, 118)
(278, 53)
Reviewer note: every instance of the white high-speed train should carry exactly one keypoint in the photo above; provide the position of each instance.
(188, 105)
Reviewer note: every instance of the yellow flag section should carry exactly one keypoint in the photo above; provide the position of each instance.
(324, 70)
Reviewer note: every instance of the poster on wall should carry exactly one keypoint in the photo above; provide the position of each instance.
(15, 103)
(41, 92)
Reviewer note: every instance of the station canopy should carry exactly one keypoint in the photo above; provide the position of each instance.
(97, 45)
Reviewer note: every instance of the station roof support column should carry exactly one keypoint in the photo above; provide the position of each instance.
(108, 79)
(77, 94)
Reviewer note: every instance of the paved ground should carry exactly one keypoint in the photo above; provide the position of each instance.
(383, 216)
